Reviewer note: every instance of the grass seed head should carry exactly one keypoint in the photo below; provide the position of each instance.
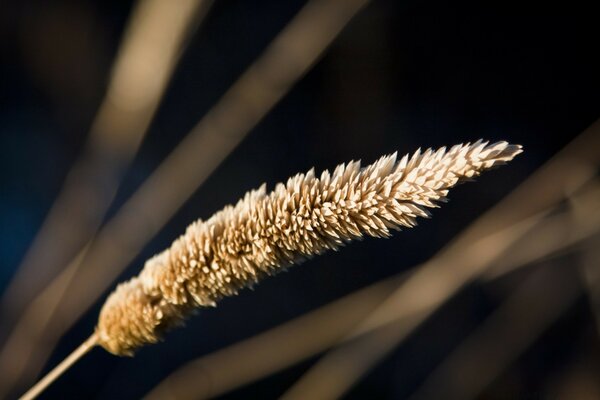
(267, 232)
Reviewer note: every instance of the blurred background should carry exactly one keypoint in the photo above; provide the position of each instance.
(401, 75)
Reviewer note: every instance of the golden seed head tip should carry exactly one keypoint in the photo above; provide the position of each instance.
(265, 233)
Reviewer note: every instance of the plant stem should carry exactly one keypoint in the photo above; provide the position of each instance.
(61, 368)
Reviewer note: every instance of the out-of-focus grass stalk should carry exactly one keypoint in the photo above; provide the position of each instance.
(526, 314)
(152, 44)
(534, 306)
(289, 56)
(590, 268)
(558, 232)
(262, 355)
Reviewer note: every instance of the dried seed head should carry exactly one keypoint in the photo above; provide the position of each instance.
(264, 233)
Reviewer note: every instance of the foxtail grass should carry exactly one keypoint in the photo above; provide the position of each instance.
(265, 233)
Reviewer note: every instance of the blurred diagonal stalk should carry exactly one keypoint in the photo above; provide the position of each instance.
(510, 330)
(264, 354)
(590, 269)
(289, 56)
(558, 232)
(590, 264)
(151, 47)
(507, 333)
(463, 260)
(524, 316)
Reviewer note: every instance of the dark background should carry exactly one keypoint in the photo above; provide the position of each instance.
(402, 75)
